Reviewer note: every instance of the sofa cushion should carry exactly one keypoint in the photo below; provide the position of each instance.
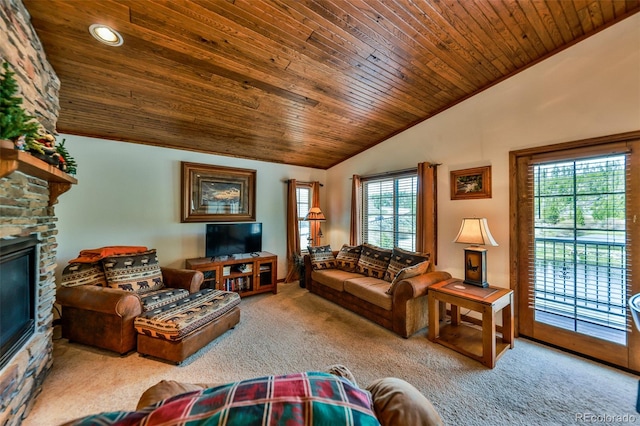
(333, 278)
(175, 320)
(158, 298)
(370, 289)
(75, 274)
(137, 272)
(398, 402)
(322, 257)
(401, 259)
(348, 256)
(410, 272)
(373, 261)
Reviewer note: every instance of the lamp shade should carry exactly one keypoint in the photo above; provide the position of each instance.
(315, 214)
(475, 231)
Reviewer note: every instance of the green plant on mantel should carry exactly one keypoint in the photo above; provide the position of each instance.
(15, 123)
(70, 165)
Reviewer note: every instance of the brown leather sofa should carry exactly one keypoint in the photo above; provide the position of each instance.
(404, 311)
(104, 317)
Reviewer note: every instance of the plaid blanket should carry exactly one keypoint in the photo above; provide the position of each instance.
(311, 398)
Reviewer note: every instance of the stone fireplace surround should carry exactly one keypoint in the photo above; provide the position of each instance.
(28, 191)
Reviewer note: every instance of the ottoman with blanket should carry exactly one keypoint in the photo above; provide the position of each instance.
(177, 330)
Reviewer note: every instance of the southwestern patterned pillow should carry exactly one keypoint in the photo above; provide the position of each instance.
(401, 259)
(409, 272)
(137, 272)
(348, 256)
(76, 274)
(322, 257)
(373, 261)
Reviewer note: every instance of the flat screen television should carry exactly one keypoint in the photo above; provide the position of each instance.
(226, 239)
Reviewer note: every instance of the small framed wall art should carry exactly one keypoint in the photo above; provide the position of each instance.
(217, 193)
(469, 184)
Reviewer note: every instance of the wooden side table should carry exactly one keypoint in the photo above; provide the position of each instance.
(481, 345)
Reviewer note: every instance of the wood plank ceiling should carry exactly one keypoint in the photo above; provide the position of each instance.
(309, 82)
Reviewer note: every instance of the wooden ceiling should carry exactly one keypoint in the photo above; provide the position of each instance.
(309, 82)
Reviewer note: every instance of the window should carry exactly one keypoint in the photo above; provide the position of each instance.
(389, 210)
(303, 196)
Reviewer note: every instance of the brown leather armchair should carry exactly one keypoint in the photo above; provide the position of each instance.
(103, 317)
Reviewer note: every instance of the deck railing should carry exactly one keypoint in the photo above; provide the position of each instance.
(582, 285)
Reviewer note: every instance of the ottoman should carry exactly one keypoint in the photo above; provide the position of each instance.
(177, 330)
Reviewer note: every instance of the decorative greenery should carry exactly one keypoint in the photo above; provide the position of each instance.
(24, 131)
(14, 121)
(69, 161)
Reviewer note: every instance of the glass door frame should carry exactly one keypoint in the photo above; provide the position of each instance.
(521, 246)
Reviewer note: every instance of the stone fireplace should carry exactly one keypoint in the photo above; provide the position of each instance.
(18, 275)
(29, 189)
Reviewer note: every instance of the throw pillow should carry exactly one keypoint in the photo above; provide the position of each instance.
(373, 261)
(75, 274)
(397, 402)
(136, 272)
(400, 259)
(322, 257)
(411, 271)
(348, 256)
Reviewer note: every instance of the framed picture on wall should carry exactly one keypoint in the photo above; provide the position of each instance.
(471, 183)
(217, 193)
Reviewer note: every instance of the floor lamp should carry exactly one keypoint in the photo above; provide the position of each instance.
(315, 214)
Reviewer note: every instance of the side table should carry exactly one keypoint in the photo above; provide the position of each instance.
(481, 345)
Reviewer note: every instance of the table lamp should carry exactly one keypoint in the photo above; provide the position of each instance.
(475, 231)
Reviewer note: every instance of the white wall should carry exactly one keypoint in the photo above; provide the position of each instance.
(591, 89)
(129, 194)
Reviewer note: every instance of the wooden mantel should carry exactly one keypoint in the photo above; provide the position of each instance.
(12, 160)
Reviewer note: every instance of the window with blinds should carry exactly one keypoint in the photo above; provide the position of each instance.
(303, 197)
(389, 210)
(580, 245)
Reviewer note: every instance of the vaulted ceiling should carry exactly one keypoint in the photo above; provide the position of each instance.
(308, 82)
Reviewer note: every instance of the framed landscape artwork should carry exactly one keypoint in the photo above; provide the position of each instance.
(471, 183)
(217, 193)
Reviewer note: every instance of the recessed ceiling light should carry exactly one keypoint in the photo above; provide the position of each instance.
(106, 35)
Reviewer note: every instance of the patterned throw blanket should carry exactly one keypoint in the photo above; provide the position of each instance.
(174, 320)
(94, 255)
(311, 398)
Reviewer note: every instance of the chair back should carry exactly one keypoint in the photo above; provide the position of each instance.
(634, 305)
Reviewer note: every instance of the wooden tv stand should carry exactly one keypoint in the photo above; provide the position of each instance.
(246, 274)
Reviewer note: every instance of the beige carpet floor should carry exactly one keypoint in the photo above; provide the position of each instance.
(296, 331)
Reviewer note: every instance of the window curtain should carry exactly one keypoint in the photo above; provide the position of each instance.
(355, 229)
(293, 233)
(426, 210)
(314, 226)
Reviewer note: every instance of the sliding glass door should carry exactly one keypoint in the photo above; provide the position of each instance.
(572, 243)
(579, 256)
